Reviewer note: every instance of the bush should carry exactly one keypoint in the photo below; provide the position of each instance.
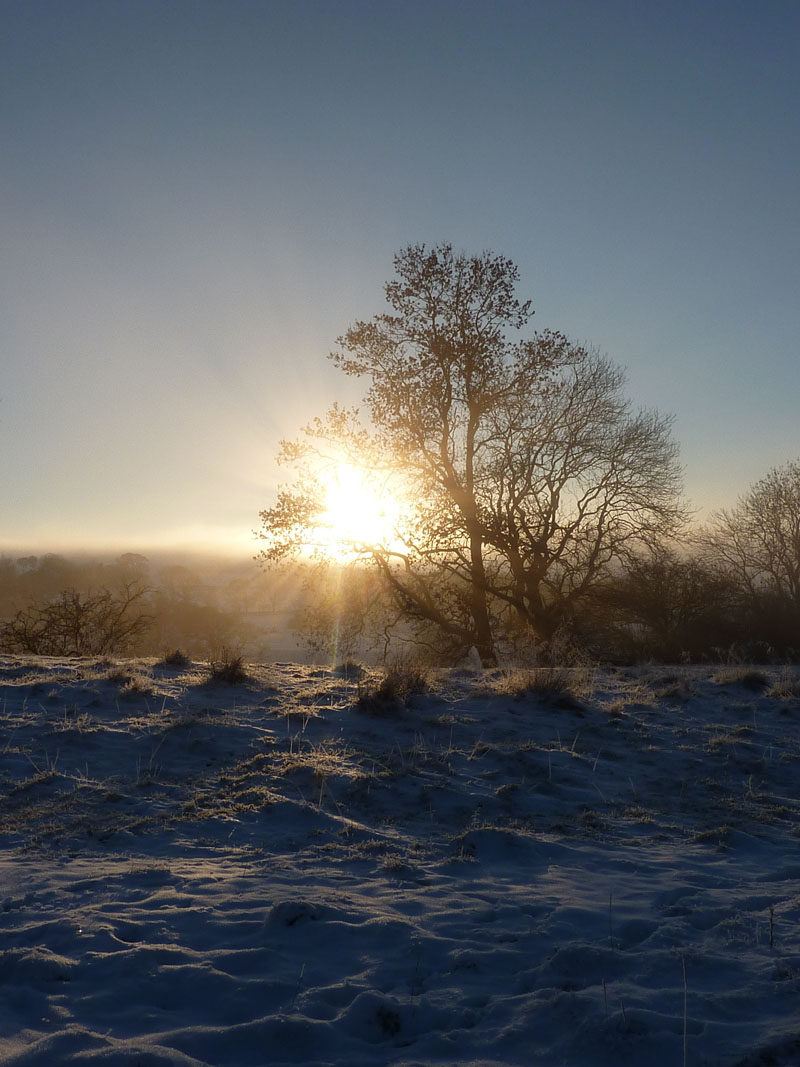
(229, 670)
(398, 686)
(176, 658)
(77, 624)
(664, 606)
(349, 669)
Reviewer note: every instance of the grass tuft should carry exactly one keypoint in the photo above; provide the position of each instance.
(349, 669)
(176, 658)
(786, 688)
(399, 685)
(745, 677)
(229, 670)
(136, 687)
(547, 685)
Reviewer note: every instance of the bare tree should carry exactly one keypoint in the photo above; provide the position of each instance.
(756, 545)
(667, 604)
(76, 624)
(758, 541)
(523, 469)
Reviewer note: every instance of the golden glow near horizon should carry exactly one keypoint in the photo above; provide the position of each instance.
(360, 511)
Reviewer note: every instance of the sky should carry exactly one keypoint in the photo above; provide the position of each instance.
(200, 197)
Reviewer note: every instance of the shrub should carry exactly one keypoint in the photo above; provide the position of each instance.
(78, 624)
(349, 669)
(176, 658)
(229, 670)
(399, 684)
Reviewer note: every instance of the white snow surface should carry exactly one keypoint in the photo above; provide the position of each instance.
(607, 873)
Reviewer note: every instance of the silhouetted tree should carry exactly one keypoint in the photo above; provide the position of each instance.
(133, 563)
(524, 470)
(757, 545)
(758, 541)
(77, 624)
(669, 606)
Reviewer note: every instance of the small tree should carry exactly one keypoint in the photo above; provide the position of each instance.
(524, 471)
(77, 624)
(758, 541)
(757, 545)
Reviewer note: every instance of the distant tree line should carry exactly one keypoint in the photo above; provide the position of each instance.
(730, 589)
(52, 605)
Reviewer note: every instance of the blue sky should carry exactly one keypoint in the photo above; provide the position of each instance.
(198, 198)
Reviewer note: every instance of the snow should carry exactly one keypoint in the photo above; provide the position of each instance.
(197, 874)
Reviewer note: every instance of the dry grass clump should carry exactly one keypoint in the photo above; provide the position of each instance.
(546, 684)
(101, 665)
(76, 721)
(674, 687)
(229, 670)
(115, 675)
(349, 669)
(136, 686)
(745, 677)
(637, 695)
(176, 659)
(399, 685)
(787, 687)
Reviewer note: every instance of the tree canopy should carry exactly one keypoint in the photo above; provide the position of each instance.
(522, 469)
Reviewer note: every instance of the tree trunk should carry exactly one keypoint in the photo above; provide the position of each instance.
(484, 642)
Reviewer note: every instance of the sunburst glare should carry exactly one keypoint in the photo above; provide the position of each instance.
(360, 510)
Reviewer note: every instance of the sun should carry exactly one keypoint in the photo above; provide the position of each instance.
(359, 510)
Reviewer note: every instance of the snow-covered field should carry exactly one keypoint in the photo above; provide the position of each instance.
(602, 872)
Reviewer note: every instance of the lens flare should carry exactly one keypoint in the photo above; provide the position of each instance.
(360, 511)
